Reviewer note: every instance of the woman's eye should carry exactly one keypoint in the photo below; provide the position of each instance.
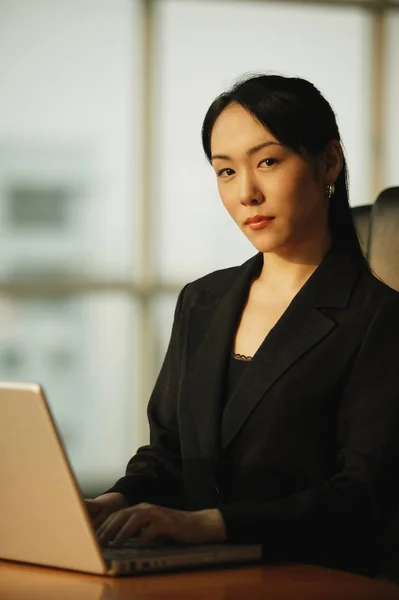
(269, 161)
(225, 172)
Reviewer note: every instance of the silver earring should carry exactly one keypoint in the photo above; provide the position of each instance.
(330, 189)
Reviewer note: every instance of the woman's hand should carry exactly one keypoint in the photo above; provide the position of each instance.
(150, 523)
(101, 507)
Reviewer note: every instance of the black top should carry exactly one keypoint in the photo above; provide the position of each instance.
(235, 370)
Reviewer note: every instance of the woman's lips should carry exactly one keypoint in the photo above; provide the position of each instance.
(258, 222)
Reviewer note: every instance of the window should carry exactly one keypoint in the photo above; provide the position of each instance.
(391, 121)
(69, 210)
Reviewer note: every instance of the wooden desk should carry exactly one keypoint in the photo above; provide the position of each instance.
(285, 582)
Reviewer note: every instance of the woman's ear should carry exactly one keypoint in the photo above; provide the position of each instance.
(332, 161)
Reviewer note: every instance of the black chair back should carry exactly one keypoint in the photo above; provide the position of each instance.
(383, 246)
(362, 218)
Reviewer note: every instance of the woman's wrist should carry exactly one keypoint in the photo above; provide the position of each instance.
(116, 497)
(213, 525)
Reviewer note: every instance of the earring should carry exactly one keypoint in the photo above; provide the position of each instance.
(330, 189)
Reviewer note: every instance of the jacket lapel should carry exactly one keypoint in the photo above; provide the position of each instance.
(301, 327)
(211, 332)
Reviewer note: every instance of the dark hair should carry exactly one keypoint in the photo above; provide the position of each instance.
(298, 115)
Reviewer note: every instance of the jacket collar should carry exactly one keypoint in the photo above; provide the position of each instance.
(212, 328)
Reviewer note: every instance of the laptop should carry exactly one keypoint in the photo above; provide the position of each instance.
(43, 517)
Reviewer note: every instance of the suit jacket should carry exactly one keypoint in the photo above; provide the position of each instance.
(305, 455)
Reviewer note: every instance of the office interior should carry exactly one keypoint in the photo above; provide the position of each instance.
(108, 206)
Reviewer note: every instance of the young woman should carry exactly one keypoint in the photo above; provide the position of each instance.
(275, 416)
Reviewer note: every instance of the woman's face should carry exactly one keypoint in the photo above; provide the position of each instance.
(259, 177)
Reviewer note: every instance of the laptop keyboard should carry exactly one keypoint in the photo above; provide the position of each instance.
(129, 550)
(120, 552)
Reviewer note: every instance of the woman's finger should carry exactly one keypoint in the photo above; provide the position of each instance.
(111, 526)
(132, 527)
(157, 531)
(99, 518)
(102, 527)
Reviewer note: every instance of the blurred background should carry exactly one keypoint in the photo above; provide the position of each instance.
(107, 204)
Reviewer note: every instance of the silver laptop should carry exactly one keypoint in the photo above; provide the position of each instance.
(43, 517)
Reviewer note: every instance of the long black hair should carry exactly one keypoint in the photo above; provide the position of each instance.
(299, 116)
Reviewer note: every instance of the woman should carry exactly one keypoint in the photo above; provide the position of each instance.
(275, 415)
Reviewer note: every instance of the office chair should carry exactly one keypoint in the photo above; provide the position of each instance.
(383, 246)
(362, 218)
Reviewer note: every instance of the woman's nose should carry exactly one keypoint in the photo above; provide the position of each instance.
(249, 193)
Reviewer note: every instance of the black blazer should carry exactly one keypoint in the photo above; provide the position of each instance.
(305, 455)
